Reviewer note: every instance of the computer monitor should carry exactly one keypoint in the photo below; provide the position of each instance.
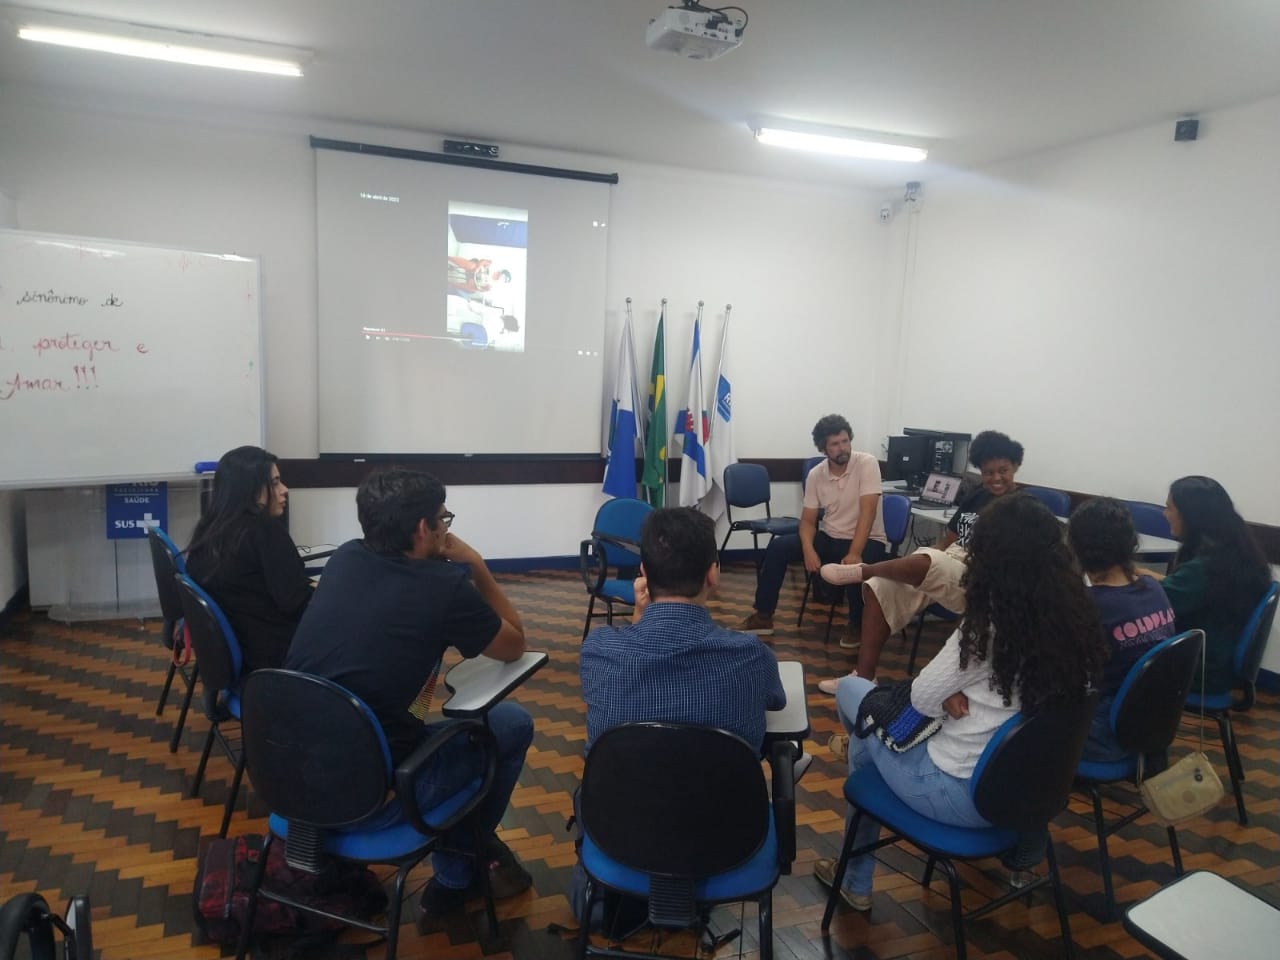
(907, 458)
(948, 450)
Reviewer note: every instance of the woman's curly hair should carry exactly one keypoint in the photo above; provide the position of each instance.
(1027, 609)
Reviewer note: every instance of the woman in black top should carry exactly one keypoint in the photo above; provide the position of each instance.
(243, 556)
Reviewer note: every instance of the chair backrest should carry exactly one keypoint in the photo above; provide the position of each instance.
(897, 515)
(314, 751)
(1149, 518)
(1024, 776)
(1055, 500)
(166, 561)
(746, 484)
(1254, 637)
(808, 466)
(214, 641)
(674, 800)
(620, 518)
(1148, 706)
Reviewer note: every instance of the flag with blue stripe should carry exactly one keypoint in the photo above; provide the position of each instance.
(695, 430)
(624, 429)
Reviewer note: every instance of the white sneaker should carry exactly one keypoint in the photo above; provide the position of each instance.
(802, 764)
(841, 574)
(829, 685)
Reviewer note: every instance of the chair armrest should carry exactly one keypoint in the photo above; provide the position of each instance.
(782, 761)
(407, 774)
(592, 565)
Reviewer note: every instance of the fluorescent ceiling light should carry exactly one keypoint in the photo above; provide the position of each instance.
(153, 43)
(863, 144)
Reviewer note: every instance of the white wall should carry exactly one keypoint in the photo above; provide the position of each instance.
(801, 265)
(1115, 306)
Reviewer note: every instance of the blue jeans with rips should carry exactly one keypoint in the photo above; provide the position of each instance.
(912, 776)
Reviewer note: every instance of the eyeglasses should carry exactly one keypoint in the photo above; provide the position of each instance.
(447, 519)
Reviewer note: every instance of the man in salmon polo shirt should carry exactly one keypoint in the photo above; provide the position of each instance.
(841, 523)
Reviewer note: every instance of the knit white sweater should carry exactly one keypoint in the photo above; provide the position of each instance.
(956, 747)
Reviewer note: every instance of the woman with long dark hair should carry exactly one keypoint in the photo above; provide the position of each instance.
(1219, 574)
(1029, 641)
(243, 556)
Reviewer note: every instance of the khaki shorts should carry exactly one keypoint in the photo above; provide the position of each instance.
(901, 601)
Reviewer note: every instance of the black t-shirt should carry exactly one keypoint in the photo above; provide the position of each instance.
(378, 625)
(966, 515)
(262, 588)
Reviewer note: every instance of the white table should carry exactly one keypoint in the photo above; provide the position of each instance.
(1148, 545)
(480, 682)
(792, 721)
(1202, 916)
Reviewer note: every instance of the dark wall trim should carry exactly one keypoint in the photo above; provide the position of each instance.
(489, 469)
(457, 160)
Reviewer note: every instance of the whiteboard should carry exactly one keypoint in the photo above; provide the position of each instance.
(123, 361)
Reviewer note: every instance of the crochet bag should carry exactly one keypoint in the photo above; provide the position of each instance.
(886, 712)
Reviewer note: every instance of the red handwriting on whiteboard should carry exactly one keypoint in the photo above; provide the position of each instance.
(20, 384)
(86, 376)
(74, 343)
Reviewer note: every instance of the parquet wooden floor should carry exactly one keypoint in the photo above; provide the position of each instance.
(92, 801)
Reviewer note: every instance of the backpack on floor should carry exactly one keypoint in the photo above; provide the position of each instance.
(221, 893)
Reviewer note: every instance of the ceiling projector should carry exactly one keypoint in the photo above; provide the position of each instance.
(694, 31)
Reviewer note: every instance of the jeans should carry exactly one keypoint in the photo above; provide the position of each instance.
(785, 550)
(911, 776)
(457, 765)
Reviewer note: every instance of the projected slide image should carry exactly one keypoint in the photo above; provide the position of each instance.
(486, 257)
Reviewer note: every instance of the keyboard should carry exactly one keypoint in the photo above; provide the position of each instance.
(931, 504)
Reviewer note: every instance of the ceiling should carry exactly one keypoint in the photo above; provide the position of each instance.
(984, 80)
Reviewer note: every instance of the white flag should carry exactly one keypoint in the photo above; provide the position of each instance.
(695, 429)
(721, 445)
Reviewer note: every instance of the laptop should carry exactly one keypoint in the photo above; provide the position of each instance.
(939, 492)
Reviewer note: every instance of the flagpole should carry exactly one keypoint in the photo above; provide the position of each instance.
(635, 387)
(662, 316)
(724, 337)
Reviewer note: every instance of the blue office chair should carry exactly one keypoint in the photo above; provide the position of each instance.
(1055, 500)
(714, 838)
(614, 546)
(747, 485)
(1149, 518)
(318, 757)
(166, 563)
(1144, 717)
(805, 469)
(218, 653)
(1245, 664)
(1022, 781)
(896, 511)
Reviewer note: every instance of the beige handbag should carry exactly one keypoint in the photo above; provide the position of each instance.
(1187, 788)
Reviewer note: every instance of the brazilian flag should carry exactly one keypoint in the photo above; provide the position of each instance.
(655, 449)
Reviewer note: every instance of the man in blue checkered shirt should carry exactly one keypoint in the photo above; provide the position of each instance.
(672, 663)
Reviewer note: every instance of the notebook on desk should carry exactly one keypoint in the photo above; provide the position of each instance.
(939, 492)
